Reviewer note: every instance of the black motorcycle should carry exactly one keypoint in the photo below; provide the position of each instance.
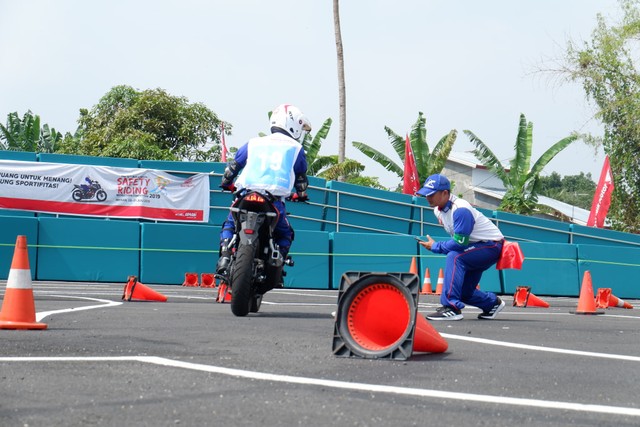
(256, 264)
(84, 192)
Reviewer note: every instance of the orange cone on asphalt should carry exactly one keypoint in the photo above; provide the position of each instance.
(191, 280)
(224, 293)
(586, 301)
(135, 290)
(18, 306)
(440, 283)
(525, 298)
(602, 297)
(207, 280)
(426, 284)
(414, 266)
(614, 301)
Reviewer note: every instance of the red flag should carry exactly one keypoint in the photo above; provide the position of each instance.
(411, 180)
(224, 144)
(602, 197)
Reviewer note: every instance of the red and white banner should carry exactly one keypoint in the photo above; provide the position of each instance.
(103, 191)
(411, 180)
(602, 197)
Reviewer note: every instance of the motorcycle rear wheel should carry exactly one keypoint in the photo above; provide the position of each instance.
(241, 278)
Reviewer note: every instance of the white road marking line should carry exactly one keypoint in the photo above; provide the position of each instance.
(539, 348)
(407, 391)
(107, 303)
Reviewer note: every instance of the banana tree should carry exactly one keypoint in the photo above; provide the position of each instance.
(427, 162)
(521, 181)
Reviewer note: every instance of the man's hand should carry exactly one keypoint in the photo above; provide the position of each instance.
(427, 243)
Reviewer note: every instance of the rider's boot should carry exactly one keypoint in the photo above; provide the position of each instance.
(225, 258)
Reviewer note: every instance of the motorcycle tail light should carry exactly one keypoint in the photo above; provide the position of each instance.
(254, 197)
(248, 231)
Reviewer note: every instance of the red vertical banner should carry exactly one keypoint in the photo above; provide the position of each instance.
(411, 180)
(602, 197)
(223, 143)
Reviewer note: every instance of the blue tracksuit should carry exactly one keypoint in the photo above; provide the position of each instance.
(475, 246)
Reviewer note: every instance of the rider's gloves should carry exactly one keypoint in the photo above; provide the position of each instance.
(228, 187)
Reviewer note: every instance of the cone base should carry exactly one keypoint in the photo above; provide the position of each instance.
(587, 312)
(8, 324)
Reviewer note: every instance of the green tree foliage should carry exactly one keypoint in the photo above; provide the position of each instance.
(605, 66)
(26, 134)
(576, 190)
(427, 162)
(149, 124)
(521, 180)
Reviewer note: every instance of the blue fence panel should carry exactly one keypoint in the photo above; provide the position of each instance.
(370, 252)
(369, 210)
(549, 268)
(88, 250)
(310, 252)
(521, 227)
(170, 250)
(10, 228)
(597, 236)
(315, 215)
(611, 267)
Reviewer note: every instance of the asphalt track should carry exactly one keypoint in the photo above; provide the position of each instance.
(189, 361)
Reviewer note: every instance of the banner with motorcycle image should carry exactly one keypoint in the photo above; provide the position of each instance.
(103, 191)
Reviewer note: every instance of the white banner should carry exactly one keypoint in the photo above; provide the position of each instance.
(103, 191)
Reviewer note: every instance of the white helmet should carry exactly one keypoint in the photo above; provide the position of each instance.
(290, 119)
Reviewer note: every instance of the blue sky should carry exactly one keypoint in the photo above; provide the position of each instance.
(465, 64)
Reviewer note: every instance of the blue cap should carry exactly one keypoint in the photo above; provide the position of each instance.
(433, 184)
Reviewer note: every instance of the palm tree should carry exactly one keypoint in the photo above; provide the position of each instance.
(427, 162)
(521, 180)
(342, 97)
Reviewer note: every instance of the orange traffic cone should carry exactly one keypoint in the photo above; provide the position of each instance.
(614, 301)
(190, 279)
(525, 298)
(135, 290)
(602, 297)
(18, 306)
(414, 266)
(427, 339)
(440, 283)
(224, 293)
(426, 284)
(586, 302)
(207, 280)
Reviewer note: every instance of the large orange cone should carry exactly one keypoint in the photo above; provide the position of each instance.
(413, 268)
(525, 298)
(377, 317)
(426, 284)
(190, 279)
(440, 283)
(207, 280)
(135, 290)
(614, 301)
(18, 306)
(586, 301)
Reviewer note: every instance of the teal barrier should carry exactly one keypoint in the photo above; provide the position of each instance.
(315, 215)
(10, 228)
(87, 160)
(369, 210)
(423, 220)
(87, 250)
(548, 268)
(370, 252)
(598, 236)
(521, 227)
(611, 267)
(310, 251)
(168, 251)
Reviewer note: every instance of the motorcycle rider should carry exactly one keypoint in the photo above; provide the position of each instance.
(275, 163)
